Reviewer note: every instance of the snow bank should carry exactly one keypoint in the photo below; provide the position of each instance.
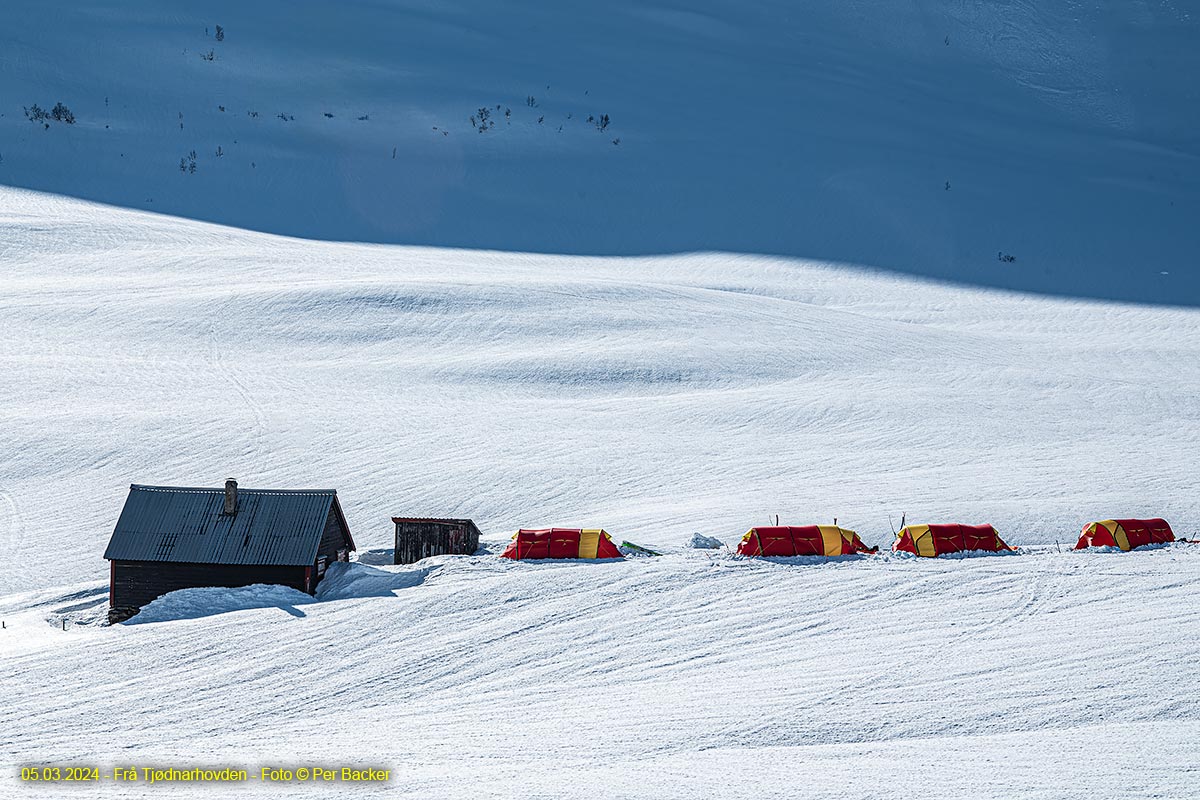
(701, 542)
(350, 581)
(341, 582)
(205, 602)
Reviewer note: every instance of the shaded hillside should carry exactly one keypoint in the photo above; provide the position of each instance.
(1047, 146)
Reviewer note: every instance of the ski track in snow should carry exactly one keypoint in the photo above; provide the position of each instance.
(695, 674)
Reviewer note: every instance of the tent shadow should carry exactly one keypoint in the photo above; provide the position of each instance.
(565, 562)
(812, 561)
(962, 555)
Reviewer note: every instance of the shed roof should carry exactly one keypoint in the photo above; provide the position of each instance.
(271, 526)
(435, 520)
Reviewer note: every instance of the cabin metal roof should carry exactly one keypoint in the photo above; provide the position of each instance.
(271, 526)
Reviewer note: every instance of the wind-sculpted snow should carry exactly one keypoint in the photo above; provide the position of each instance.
(1047, 146)
(204, 602)
(342, 582)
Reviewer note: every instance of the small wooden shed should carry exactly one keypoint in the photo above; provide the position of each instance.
(422, 537)
(172, 537)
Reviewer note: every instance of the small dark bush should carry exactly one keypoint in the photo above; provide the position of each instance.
(62, 114)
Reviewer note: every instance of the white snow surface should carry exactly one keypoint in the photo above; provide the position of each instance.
(609, 385)
(655, 397)
(1043, 675)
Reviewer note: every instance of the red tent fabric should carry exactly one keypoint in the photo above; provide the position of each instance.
(937, 540)
(1125, 533)
(561, 543)
(801, 540)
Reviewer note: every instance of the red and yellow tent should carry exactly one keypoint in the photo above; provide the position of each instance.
(801, 540)
(938, 540)
(561, 543)
(1125, 533)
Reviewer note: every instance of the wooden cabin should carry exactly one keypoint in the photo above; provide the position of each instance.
(422, 537)
(170, 538)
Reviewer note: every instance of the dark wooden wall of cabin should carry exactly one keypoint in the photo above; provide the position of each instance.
(333, 539)
(136, 583)
(417, 540)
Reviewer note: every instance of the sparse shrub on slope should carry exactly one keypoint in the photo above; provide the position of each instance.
(35, 113)
(60, 113)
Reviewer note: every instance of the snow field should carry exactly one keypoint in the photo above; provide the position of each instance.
(692, 675)
(652, 397)
(1047, 147)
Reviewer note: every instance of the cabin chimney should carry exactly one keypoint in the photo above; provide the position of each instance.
(230, 496)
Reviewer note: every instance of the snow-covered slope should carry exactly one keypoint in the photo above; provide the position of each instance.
(930, 136)
(695, 675)
(654, 397)
(659, 397)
